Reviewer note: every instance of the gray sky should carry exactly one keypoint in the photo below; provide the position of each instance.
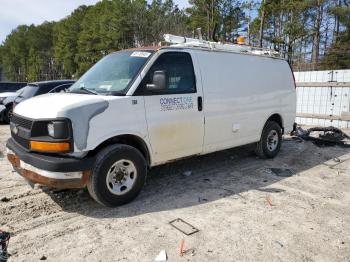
(17, 12)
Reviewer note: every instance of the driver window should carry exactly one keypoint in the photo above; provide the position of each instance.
(179, 73)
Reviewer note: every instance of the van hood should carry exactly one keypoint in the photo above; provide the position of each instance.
(57, 105)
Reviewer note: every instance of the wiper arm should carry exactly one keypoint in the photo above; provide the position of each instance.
(82, 89)
(88, 90)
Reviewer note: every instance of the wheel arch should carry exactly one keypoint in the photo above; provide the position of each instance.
(276, 117)
(126, 139)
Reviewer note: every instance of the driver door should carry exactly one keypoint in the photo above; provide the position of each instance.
(174, 114)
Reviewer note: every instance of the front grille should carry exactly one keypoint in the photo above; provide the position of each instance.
(21, 125)
(22, 122)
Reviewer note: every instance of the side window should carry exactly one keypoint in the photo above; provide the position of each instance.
(177, 68)
(42, 90)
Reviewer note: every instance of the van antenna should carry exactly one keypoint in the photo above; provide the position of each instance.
(214, 33)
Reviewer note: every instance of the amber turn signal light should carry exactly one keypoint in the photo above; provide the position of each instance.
(49, 146)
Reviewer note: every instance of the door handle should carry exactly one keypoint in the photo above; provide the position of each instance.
(200, 103)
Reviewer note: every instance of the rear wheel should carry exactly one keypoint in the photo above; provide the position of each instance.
(270, 141)
(118, 176)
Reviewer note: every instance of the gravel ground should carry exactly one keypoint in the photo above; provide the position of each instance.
(244, 212)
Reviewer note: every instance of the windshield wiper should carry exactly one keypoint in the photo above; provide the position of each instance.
(88, 90)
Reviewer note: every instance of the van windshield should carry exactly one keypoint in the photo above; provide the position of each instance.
(29, 91)
(20, 90)
(113, 74)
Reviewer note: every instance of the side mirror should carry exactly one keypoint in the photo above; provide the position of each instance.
(159, 81)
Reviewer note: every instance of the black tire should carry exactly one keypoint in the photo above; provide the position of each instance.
(105, 159)
(266, 148)
(7, 115)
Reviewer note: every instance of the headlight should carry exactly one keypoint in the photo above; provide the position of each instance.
(58, 129)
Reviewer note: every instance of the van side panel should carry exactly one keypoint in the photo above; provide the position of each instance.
(240, 93)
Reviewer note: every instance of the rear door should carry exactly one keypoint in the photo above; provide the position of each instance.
(174, 115)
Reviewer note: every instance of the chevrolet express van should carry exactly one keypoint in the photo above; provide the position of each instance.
(139, 108)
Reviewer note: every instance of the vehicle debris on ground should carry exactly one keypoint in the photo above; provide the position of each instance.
(162, 256)
(183, 226)
(4, 242)
(324, 136)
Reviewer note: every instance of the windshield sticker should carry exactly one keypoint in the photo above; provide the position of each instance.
(105, 87)
(176, 103)
(141, 54)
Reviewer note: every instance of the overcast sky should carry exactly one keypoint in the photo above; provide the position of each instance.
(17, 12)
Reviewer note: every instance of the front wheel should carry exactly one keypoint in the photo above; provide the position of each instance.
(118, 176)
(270, 141)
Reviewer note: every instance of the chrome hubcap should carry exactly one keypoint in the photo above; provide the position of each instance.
(121, 177)
(272, 140)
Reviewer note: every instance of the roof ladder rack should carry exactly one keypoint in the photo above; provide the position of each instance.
(181, 41)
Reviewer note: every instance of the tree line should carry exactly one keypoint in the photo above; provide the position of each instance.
(311, 34)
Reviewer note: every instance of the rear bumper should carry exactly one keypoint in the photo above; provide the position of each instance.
(53, 171)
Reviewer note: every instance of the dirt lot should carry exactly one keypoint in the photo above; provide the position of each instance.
(244, 212)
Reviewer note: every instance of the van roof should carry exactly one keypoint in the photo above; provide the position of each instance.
(182, 42)
(143, 48)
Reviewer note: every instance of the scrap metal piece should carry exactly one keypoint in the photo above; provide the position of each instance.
(162, 257)
(183, 226)
(182, 244)
(324, 136)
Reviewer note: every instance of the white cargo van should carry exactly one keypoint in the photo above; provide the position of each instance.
(139, 108)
